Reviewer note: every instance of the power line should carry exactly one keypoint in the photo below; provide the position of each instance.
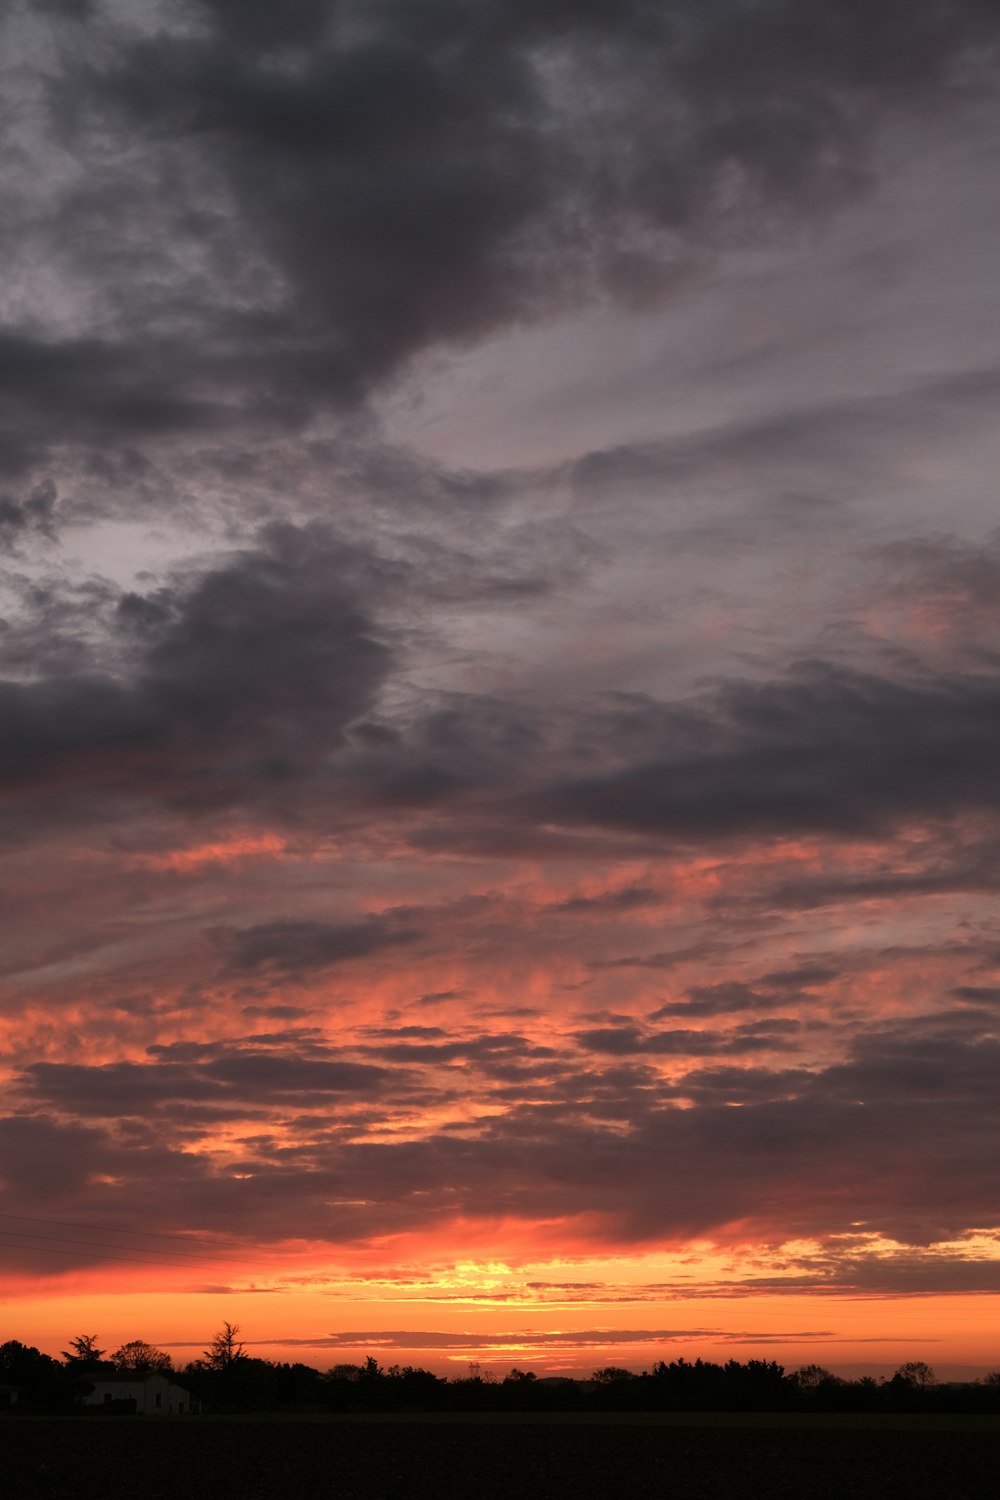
(100, 1228)
(99, 1245)
(74, 1254)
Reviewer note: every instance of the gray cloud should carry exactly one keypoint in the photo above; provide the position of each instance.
(352, 186)
(829, 450)
(629, 898)
(583, 635)
(34, 516)
(298, 948)
(769, 991)
(492, 1053)
(624, 1041)
(242, 680)
(895, 1140)
(824, 749)
(253, 683)
(240, 1077)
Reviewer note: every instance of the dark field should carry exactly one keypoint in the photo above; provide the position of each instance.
(680, 1457)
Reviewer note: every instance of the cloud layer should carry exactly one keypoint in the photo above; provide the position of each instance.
(499, 676)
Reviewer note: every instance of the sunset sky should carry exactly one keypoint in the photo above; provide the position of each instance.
(500, 679)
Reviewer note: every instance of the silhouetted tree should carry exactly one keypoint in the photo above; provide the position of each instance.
(139, 1358)
(916, 1373)
(83, 1354)
(225, 1348)
(810, 1377)
(299, 1385)
(245, 1384)
(40, 1379)
(866, 1393)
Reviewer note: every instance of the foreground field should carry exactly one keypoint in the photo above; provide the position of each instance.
(328, 1458)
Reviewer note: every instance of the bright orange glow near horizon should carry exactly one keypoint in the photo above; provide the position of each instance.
(444, 1320)
(404, 1302)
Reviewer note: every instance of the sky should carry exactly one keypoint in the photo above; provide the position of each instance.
(500, 679)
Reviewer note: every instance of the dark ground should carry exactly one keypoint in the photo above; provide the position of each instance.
(681, 1457)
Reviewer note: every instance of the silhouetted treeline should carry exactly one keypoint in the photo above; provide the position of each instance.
(227, 1379)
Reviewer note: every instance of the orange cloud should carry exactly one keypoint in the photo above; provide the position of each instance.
(227, 851)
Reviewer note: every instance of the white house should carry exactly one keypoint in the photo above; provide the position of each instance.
(154, 1395)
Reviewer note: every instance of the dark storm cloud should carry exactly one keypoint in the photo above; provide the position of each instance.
(942, 1069)
(241, 687)
(277, 644)
(229, 686)
(834, 1272)
(34, 516)
(896, 1140)
(41, 1158)
(782, 987)
(733, 1085)
(719, 1000)
(357, 183)
(88, 389)
(630, 898)
(907, 1274)
(78, 10)
(802, 977)
(296, 948)
(274, 1012)
(52, 626)
(979, 994)
(226, 1074)
(484, 1050)
(666, 960)
(824, 749)
(971, 867)
(624, 1041)
(259, 24)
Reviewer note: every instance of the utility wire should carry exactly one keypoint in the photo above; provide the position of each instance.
(74, 1254)
(99, 1228)
(27, 1234)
